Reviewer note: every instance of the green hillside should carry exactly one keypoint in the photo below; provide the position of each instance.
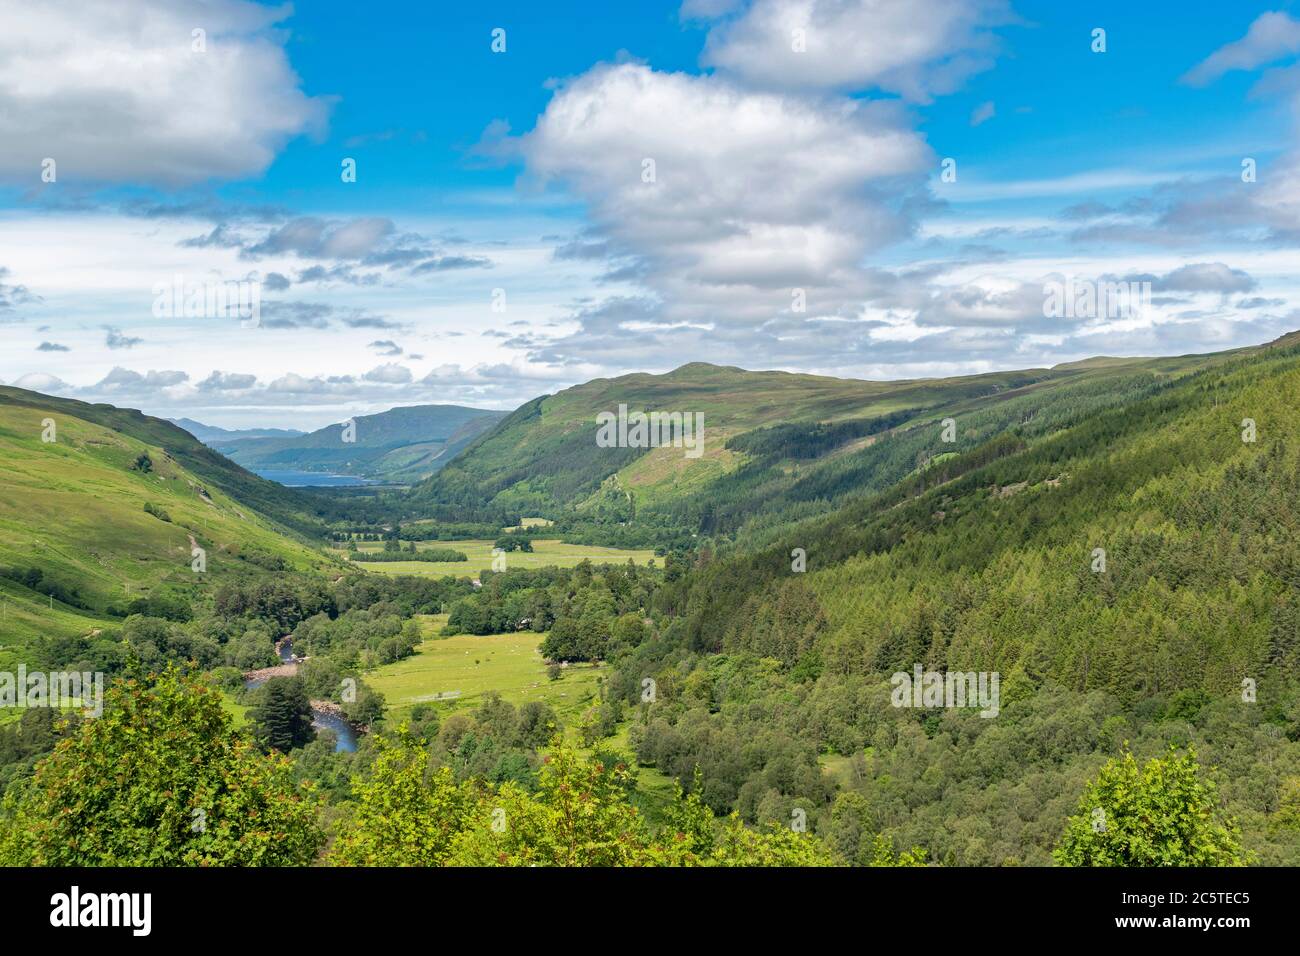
(399, 445)
(109, 511)
(1118, 541)
(778, 682)
(285, 506)
(777, 445)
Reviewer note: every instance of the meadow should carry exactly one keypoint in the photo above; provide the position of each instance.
(547, 552)
(469, 667)
(510, 665)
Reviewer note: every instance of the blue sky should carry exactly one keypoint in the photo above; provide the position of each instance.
(501, 238)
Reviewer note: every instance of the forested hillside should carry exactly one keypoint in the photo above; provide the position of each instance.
(777, 446)
(1123, 555)
(1116, 541)
(1128, 563)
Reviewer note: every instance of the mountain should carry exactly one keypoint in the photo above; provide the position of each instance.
(211, 433)
(399, 445)
(101, 506)
(1116, 541)
(776, 445)
(1122, 552)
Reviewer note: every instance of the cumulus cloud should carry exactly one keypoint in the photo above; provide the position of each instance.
(311, 237)
(742, 205)
(13, 295)
(52, 347)
(1260, 302)
(279, 314)
(749, 194)
(41, 382)
(917, 48)
(125, 380)
(358, 251)
(221, 236)
(297, 314)
(114, 92)
(227, 382)
(390, 374)
(1205, 277)
(989, 303)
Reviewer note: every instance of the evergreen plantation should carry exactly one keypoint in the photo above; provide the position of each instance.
(1117, 539)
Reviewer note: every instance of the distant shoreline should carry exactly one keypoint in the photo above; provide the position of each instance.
(295, 478)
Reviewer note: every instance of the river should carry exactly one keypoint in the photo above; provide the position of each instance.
(345, 733)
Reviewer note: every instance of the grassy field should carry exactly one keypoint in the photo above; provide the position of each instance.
(510, 665)
(525, 523)
(547, 552)
(75, 509)
(654, 790)
(27, 618)
(235, 709)
(469, 667)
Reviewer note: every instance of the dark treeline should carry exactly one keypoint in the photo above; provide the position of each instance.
(800, 440)
(434, 555)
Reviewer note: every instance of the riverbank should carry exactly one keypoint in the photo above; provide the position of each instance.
(325, 714)
(263, 674)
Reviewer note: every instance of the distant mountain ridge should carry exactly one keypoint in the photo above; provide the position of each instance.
(777, 445)
(400, 445)
(211, 433)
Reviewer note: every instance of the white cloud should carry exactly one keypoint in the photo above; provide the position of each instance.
(752, 193)
(1206, 277)
(315, 238)
(390, 373)
(113, 92)
(227, 382)
(40, 382)
(914, 47)
(125, 380)
(1271, 37)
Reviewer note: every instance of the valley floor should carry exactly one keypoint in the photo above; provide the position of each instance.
(547, 552)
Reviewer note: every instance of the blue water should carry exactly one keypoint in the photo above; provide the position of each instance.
(312, 479)
(345, 733)
(347, 736)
